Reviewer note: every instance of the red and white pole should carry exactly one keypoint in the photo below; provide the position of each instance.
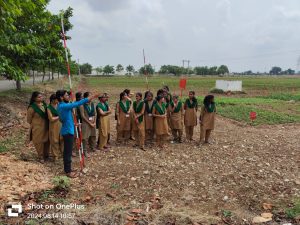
(66, 52)
(145, 71)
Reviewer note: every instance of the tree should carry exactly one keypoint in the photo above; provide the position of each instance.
(86, 68)
(129, 69)
(147, 69)
(119, 68)
(73, 68)
(171, 69)
(275, 70)
(222, 70)
(289, 72)
(108, 70)
(29, 38)
(98, 70)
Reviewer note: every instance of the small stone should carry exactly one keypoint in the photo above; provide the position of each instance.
(133, 179)
(85, 170)
(259, 219)
(267, 215)
(146, 172)
(225, 198)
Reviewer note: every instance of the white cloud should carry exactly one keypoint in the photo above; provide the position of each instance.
(208, 32)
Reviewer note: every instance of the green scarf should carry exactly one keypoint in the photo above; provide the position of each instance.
(90, 109)
(148, 108)
(102, 106)
(125, 109)
(162, 109)
(178, 107)
(53, 110)
(138, 108)
(193, 105)
(211, 108)
(39, 111)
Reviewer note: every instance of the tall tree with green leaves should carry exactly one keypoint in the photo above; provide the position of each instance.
(108, 69)
(29, 38)
(86, 68)
(130, 69)
(147, 69)
(119, 68)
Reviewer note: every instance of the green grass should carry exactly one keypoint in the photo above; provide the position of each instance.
(15, 93)
(284, 96)
(272, 84)
(241, 113)
(294, 211)
(271, 109)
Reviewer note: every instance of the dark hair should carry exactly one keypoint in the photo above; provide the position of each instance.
(192, 92)
(160, 92)
(166, 87)
(159, 97)
(139, 94)
(53, 97)
(78, 96)
(127, 91)
(59, 94)
(86, 94)
(148, 93)
(175, 96)
(207, 100)
(122, 94)
(33, 97)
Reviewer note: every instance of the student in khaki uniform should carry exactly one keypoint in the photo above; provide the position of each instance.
(160, 121)
(149, 128)
(103, 112)
(87, 112)
(176, 119)
(56, 140)
(139, 121)
(37, 118)
(76, 111)
(168, 101)
(190, 115)
(106, 97)
(123, 118)
(207, 118)
(129, 96)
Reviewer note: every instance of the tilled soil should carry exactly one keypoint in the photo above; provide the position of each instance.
(243, 168)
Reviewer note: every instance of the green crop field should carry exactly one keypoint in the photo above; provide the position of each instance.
(276, 100)
(206, 83)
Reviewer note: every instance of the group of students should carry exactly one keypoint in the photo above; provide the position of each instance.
(152, 118)
(144, 120)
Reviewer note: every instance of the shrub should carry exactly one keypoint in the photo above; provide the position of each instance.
(217, 91)
(61, 182)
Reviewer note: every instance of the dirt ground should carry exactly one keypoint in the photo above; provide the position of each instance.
(242, 170)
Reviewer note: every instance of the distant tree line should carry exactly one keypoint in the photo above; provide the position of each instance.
(165, 70)
(275, 70)
(179, 70)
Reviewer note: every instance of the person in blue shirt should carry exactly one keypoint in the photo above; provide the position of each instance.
(65, 112)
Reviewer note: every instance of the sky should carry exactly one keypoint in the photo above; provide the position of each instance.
(242, 34)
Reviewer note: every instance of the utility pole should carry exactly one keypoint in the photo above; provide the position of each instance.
(78, 67)
(184, 61)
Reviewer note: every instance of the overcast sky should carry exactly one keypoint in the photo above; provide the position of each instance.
(243, 34)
